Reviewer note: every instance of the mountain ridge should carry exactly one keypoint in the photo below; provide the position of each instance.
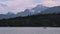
(55, 9)
(27, 12)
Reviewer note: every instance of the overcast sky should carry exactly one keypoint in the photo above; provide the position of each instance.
(20, 5)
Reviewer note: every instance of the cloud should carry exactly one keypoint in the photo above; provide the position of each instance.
(5, 0)
(50, 3)
(19, 5)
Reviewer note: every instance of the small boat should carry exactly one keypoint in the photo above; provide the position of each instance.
(44, 27)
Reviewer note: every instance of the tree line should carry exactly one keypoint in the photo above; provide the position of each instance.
(39, 20)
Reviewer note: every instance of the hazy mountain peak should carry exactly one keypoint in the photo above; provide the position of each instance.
(39, 7)
(51, 10)
(10, 13)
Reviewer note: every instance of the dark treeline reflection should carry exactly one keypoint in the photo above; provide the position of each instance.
(40, 20)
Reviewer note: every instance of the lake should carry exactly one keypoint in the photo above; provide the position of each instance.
(29, 30)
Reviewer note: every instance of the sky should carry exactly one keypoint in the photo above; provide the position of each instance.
(20, 5)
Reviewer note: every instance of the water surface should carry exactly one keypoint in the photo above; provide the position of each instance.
(29, 30)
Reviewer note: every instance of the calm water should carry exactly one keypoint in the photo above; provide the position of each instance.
(29, 30)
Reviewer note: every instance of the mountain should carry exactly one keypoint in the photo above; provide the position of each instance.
(26, 12)
(39, 8)
(33, 11)
(8, 15)
(52, 10)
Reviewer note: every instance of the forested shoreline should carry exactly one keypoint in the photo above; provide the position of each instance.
(40, 20)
